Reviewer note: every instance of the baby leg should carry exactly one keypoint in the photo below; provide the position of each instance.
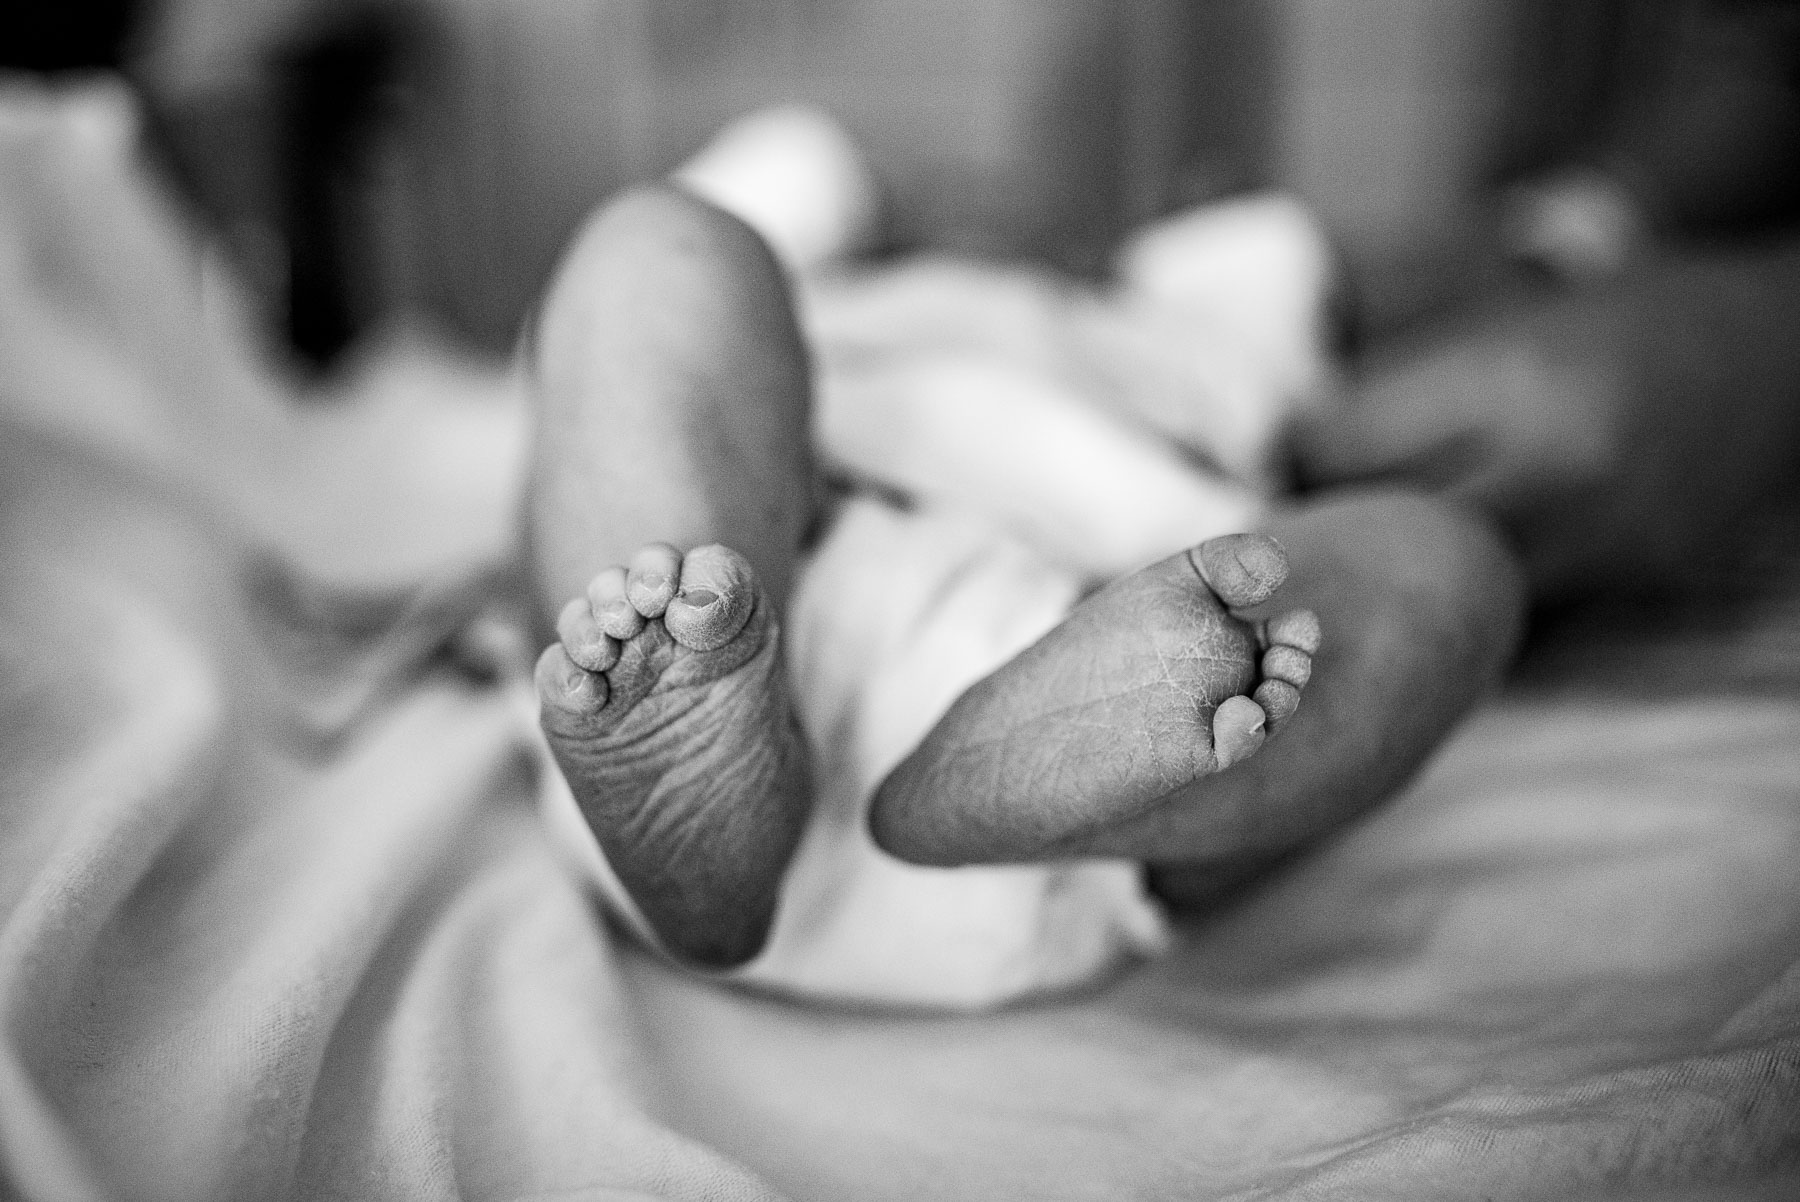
(1079, 746)
(673, 389)
(673, 392)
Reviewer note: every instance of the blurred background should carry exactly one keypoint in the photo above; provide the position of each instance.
(363, 159)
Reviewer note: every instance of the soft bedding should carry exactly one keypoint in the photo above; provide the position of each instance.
(280, 914)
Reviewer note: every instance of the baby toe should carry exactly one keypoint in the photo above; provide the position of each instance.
(1298, 629)
(613, 613)
(1291, 664)
(1243, 569)
(1238, 730)
(718, 592)
(653, 579)
(562, 686)
(1279, 700)
(592, 649)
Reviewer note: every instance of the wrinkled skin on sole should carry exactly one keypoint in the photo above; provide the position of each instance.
(1145, 688)
(674, 731)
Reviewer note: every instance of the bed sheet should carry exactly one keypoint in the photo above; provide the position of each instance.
(279, 916)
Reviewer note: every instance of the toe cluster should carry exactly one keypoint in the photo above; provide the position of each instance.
(703, 598)
(1240, 724)
(1287, 663)
(1245, 570)
(1291, 640)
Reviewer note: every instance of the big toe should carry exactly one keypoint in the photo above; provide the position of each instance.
(1243, 569)
(715, 600)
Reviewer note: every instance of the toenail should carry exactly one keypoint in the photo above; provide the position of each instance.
(618, 619)
(652, 580)
(570, 677)
(700, 598)
(589, 691)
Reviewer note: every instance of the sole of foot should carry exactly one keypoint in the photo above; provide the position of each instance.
(1147, 686)
(665, 703)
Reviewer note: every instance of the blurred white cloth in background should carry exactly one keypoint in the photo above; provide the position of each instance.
(1209, 336)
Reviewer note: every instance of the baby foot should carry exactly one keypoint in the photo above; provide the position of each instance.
(665, 703)
(1147, 686)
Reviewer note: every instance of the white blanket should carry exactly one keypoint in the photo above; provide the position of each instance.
(279, 917)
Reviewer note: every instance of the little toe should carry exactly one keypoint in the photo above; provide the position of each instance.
(1290, 639)
(1298, 629)
(563, 686)
(1238, 730)
(718, 593)
(592, 649)
(613, 613)
(1279, 700)
(1243, 569)
(654, 578)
